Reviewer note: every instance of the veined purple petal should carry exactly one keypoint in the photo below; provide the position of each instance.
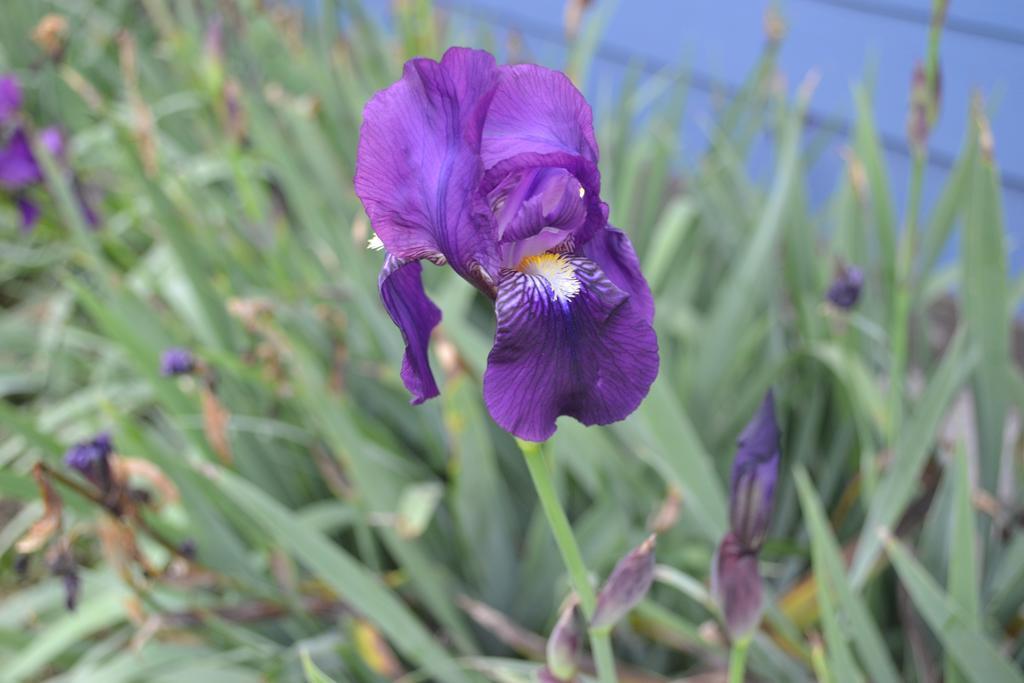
(612, 250)
(10, 98)
(754, 473)
(401, 290)
(29, 211)
(418, 166)
(736, 585)
(537, 110)
(568, 342)
(18, 167)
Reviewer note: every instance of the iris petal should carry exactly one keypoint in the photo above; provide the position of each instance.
(418, 167)
(18, 167)
(590, 353)
(612, 250)
(537, 110)
(401, 290)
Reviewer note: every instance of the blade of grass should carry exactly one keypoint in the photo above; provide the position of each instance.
(910, 454)
(344, 574)
(977, 657)
(831, 576)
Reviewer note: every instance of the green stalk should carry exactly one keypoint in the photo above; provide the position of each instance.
(738, 660)
(540, 472)
(905, 258)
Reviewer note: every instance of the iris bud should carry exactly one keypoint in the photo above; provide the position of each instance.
(845, 289)
(176, 361)
(736, 585)
(754, 474)
(626, 586)
(564, 645)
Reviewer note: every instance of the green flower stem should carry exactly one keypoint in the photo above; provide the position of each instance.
(540, 472)
(738, 660)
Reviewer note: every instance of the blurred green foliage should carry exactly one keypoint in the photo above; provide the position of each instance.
(343, 534)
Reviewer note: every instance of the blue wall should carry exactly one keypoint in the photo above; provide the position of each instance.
(982, 50)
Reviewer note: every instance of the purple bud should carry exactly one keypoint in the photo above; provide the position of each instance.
(736, 585)
(10, 98)
(29, 211)
(626, 586)
(188, 549)
(564, 645)
(544, 675)
(62, 563)
(845, 288)
(754, 472)
(213, 40)
(92, 459)
(176, 361)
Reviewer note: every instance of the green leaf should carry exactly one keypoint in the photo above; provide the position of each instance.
(909, 456)
(312, 672)
(97, 612)
(353, 582)
(962, 553)
(978, 658)
(851, 619)
(986, 310)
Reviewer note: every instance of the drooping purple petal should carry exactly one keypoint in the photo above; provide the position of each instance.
(18, 167)
(736, 585)
(29, 211)
(418, 167)
(612, 250)
(10, 98)
(401, 290)
(754, 473)
(568, 342)
(536, 110)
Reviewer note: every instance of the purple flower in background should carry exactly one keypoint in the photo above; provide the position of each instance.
(493, 170)
(92, 459)
(10, 98)
(176, 361)
(20, 170)
(735, 580)
(846, 286)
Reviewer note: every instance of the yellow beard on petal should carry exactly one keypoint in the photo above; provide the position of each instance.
(556, 269)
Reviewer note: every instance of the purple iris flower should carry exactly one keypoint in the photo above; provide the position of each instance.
(20, 170)
(176, 361)
(734, 575)
(845, 288)
(493, 170)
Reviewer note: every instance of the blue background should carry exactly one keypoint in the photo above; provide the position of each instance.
(846, 41)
